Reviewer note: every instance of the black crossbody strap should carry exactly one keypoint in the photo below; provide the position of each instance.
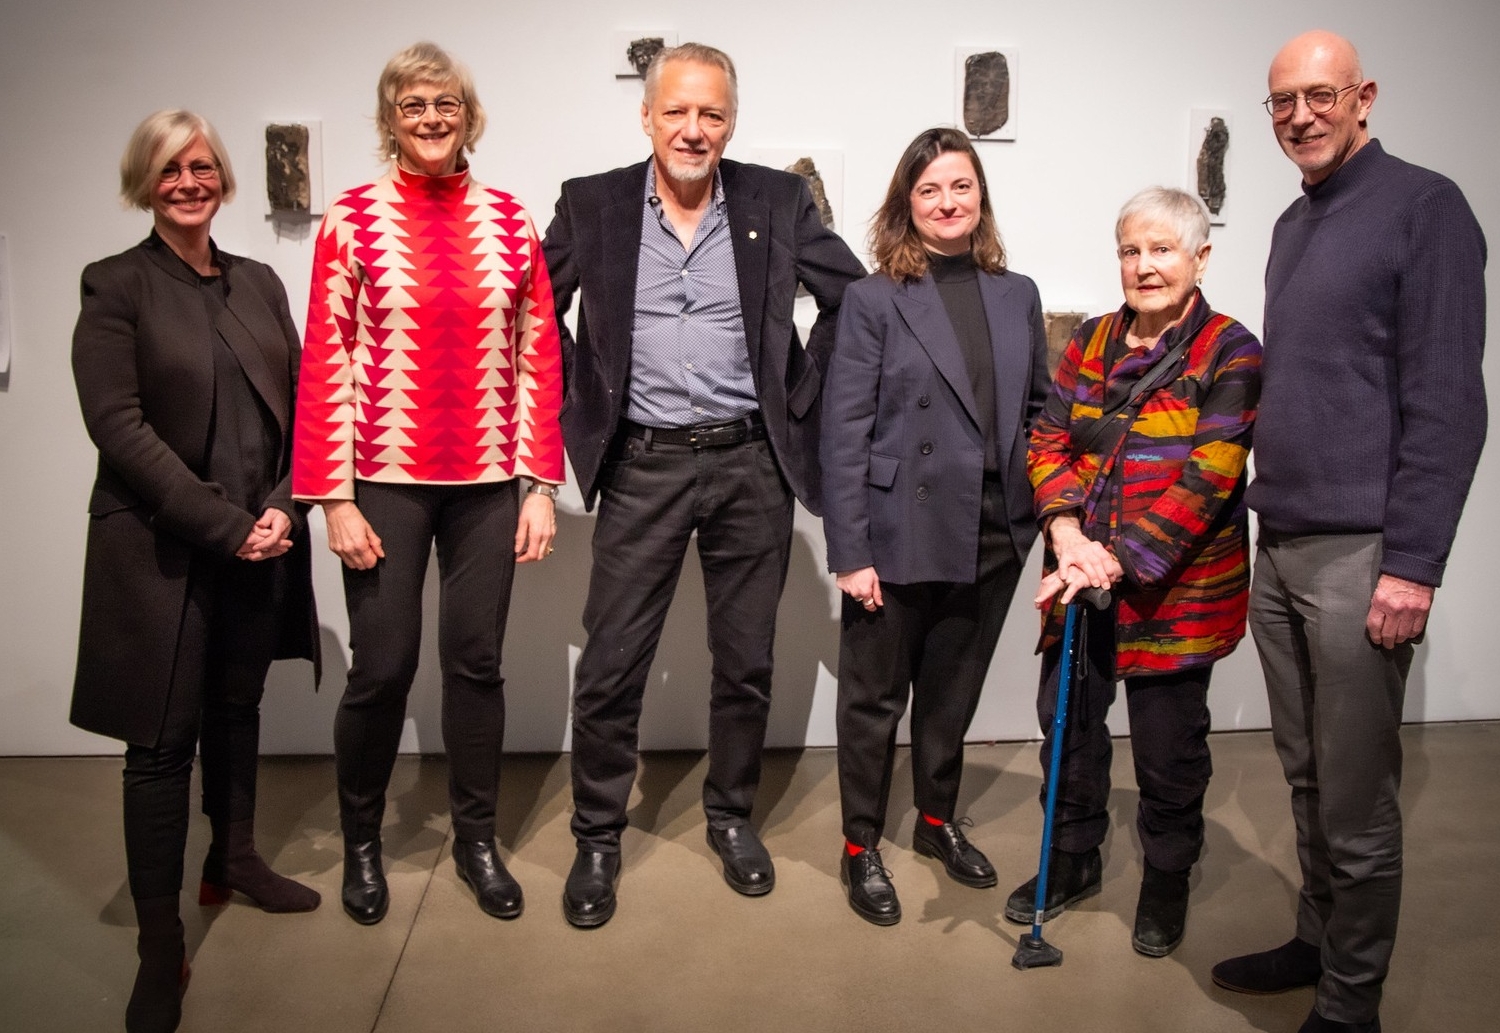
(1109, 427)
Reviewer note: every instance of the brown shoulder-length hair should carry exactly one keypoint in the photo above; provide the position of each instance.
(894, 242)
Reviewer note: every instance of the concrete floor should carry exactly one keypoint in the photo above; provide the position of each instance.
(684, 953)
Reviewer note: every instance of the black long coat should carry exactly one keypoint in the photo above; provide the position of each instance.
(145, 378)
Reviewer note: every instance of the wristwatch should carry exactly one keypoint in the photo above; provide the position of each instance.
(542, 488)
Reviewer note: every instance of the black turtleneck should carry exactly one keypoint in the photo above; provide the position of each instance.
(957, 281)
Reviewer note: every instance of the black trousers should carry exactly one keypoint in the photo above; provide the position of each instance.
(933, 640)
(653, 499)
(227, 640)
(1169, 724)
(474, 527)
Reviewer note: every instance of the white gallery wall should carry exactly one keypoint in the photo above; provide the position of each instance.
(1102, 97)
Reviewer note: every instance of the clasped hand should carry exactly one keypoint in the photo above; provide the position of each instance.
(269, 538)
(1081, 563)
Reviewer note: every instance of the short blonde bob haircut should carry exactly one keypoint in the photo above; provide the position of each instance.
(152, 145)
(425, 63)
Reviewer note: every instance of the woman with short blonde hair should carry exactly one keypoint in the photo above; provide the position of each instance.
(197, 570)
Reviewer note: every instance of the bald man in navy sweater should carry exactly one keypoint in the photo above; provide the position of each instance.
(1372, 416)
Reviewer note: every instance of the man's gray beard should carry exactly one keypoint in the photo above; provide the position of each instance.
(689, 173)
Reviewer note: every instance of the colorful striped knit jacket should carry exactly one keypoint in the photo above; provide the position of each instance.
(1171, 502)
(431, 352)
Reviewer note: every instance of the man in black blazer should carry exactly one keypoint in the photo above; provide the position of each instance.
(691, 406)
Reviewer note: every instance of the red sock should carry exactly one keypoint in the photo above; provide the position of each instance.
(933, 821)
(854, 848)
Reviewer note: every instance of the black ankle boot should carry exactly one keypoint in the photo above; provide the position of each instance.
(365, 895)
(233, 864)
(1161, 912)
(156, 998)
(481, 869)
(1070, 878)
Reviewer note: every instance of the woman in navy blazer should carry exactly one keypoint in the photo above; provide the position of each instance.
(938, 369)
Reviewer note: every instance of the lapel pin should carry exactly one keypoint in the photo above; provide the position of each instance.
(753, 234)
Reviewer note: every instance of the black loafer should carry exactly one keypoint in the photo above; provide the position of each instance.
(480, 868)
(871, 894)
(365, 895)
(589, 894)
(1160, 912)
(1294, 964)
(961, 859)
(1070, 878)
(747, 863)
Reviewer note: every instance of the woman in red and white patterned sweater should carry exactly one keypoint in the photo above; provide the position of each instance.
(431, 380)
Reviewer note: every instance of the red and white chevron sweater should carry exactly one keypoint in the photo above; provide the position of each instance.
(431, 353)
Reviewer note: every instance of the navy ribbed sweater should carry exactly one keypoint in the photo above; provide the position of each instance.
(1372, 405)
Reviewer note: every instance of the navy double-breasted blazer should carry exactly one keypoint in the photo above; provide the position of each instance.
(593, 246)
(902, 449)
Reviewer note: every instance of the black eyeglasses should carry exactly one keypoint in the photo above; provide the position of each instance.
(200, 170)
(1320, 100)
(414, 107)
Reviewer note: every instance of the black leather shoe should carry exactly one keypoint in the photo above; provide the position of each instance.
(480, 868)
(1293, 964)
(589, 893)
(1070, 878)
(871, 894)
(747, 863)
(365, 895)
(1316, 1023)
(961, 859)
(1160, 912)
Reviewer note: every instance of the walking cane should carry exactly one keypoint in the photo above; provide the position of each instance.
(1034, 951)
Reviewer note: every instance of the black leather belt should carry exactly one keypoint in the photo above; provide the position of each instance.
(707, 435)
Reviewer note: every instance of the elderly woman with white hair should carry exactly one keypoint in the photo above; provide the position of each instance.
(195, 574)
(1138, 465)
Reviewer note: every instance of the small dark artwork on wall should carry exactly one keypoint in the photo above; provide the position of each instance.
(1210, 132)
(805, 168)
(1061, 326)
(635, 48)
(986, 92)
(1211, 185)
(641, 51)
(288, 181)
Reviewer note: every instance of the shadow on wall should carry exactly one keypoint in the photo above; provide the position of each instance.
(543, 638)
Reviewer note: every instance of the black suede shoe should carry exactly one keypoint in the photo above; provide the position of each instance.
(480, 868)
(365, 895)
(1160, 912)
(747, 863)
(1293, 964)
(871, 894)
(589, 893)
(961, 859)
(1070, 878)
(1316, 1023)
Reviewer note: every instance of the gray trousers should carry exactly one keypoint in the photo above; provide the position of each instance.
(1336, 703)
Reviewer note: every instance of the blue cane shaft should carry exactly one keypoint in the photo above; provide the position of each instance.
(1054, 764)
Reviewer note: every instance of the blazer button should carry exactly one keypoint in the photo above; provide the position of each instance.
(922, 493)
(923, 401)
(927, 448)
